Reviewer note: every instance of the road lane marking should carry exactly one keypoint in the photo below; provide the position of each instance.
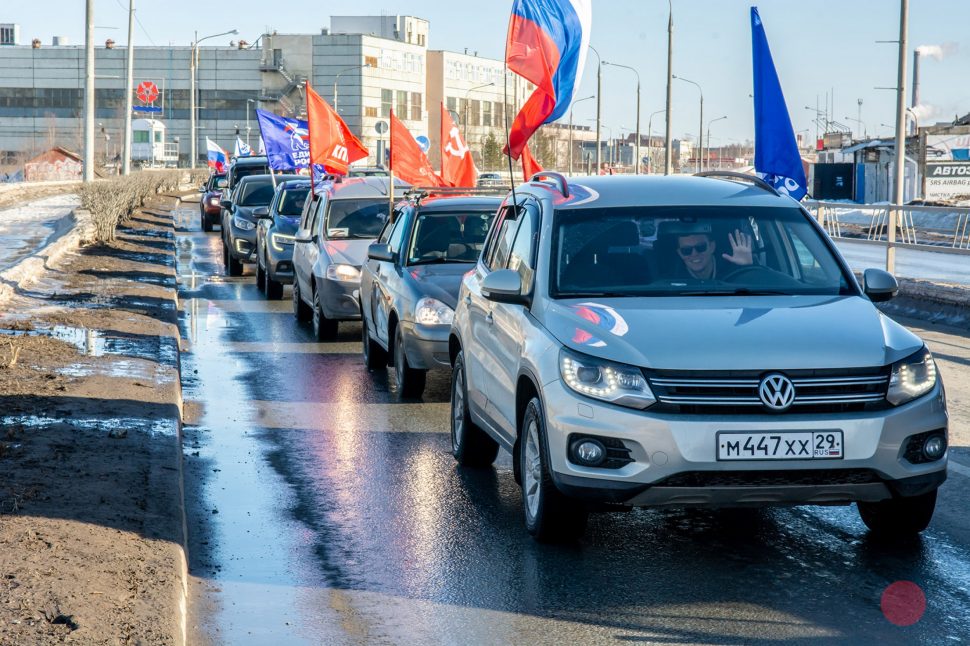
(271, 347)
(353, 417)
(958, 468)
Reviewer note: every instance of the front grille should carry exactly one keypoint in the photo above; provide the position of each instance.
(816, 391)
(807, 477)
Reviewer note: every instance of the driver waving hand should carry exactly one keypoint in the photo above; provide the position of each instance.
(697, 251)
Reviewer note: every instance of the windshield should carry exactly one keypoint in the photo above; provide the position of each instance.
(256, 193)
(691, 251)
(454, 236)
(356, 218)
(292, 200)
(245, 170)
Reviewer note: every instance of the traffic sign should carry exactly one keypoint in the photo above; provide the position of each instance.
(423, 142)
(380, 127)
(146, 108)
(147, 92)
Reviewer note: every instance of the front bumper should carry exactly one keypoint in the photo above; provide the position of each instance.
(340, 300)
(243, 243)
(279, 264)
(675, 463)
(426, 346)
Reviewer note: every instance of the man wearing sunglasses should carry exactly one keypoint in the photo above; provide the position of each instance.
(697, 250)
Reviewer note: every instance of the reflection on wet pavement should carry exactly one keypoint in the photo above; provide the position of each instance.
(342, 518)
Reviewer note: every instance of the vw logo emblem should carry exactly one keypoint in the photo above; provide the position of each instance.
(776, 391)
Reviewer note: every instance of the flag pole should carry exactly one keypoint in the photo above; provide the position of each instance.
(505, 110)
(306, 93)
(390, 168)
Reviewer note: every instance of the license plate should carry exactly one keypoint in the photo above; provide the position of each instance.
(797, 445)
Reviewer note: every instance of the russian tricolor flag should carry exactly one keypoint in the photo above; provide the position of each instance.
(547, 45)
(216, 156)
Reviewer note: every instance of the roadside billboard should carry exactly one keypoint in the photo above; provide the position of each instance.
(948, 181)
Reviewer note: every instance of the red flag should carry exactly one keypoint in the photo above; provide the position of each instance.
(331, 142)
(408, 161)
(529, 164)
(457, 165)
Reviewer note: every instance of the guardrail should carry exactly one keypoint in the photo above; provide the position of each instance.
(941, 227)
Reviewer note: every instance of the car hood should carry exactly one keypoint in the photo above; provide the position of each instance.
(348, 252)
(246, 212)
(440, 281)
(286, 225)
(732, 333)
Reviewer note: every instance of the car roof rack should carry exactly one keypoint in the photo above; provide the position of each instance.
(744, 177)
(418, 193)
(560, 180)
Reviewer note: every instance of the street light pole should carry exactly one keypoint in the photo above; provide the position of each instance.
(586, 98)
(700, 133)
(464, 121)
(668, 162)
(900, 137)
(709, 137)
(337, 79)
(650, 139)
(89, 91)
(248, 101)
(599, 100)
(129, 83)
(193, 67)
(637, 163)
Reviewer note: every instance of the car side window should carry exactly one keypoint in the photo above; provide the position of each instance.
(396, 239)
(315, 218)
(522, 254)
(502, 243)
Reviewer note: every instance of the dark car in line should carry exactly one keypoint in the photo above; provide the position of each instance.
(410, 282)
(239, 218)
(210, 208)
(275, 233)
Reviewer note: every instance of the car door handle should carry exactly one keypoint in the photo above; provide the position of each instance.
(489, 318)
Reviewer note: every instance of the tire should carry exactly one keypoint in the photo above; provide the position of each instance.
(375, 357)
(206, 223)
(898, 517)
(300, 309)
(471, 446)
(410, 381)
(324, 329)
(274, 289)
(233, 267)
(550, 516)
(260, 277)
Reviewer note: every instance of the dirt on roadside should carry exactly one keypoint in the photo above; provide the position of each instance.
(91, 525)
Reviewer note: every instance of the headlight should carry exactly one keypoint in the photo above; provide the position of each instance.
(343, 273)
(278, 240)
(912, 377)
(610, 382)
(431, 311)
(242, 223)
(214, 201)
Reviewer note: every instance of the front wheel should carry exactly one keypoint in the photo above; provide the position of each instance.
(550, 516)
(325, 329)
(260, 277)
(899, 517)
(410, 381)
(375, 357)
(206, 223)
(300, 309)
(471, 446)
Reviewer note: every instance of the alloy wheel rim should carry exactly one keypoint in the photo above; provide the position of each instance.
(457, 409)
(532, 469)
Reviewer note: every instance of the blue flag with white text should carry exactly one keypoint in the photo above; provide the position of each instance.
(776, 156)
(287, 141)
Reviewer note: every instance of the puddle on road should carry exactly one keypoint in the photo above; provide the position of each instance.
(99, 343)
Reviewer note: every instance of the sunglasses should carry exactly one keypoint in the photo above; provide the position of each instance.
(692, 249)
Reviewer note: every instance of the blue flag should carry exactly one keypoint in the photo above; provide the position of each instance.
(287, 141)
(776, 156)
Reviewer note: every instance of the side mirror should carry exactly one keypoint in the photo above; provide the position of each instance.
(202, 189)
(312, 239)
(261, 212)
(222, 183)
(879, 285)
(504, 286)
(380, 251)
(226, 204)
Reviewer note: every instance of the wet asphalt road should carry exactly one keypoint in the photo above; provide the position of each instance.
(323, 510)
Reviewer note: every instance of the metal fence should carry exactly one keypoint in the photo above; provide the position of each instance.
(942, 227)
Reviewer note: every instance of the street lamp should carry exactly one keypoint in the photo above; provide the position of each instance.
(585, 98)
(650, 139)
(599, 101)
(337, 79)
(865, 130)
(248, 101)
(637, 163)
(668, 163)
(700, 135)
(193, 66)
(464, 122)
(709, 138)
(608, 146)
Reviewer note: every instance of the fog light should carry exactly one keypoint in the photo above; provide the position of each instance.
(934, 446)
(588, 452)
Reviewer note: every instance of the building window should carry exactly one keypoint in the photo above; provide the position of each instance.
(139, 137)
(487, 114)
(415, 106)
(158, 136)
(452, 104)
(499, 115)
(370, 112)
(463, 111)
(421, 40)
(402, 104)
(387, 101)
(370, 60)
(475, 113)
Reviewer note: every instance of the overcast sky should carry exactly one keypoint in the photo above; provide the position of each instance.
(819, 47)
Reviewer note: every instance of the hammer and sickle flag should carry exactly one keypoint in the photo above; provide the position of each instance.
(457, 165)
(331, 142)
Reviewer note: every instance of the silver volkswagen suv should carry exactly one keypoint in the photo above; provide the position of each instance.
(652, 341)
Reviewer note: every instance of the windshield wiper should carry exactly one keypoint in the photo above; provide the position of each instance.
(741, 291)
(437, 261)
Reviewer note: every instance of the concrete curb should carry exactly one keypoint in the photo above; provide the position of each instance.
(943, 303)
